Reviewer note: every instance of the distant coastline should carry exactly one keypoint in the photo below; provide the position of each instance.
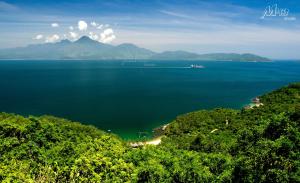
(88, 49)
(140, 60)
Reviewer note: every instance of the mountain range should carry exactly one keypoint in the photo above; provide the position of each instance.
(87, 49)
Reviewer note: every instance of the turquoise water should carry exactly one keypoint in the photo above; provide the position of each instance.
(130, 97)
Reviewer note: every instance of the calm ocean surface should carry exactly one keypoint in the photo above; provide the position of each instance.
(131, 97)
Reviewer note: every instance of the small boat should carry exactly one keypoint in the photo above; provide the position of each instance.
(195, 66)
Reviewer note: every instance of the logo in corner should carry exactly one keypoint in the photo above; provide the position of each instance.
(275, 11)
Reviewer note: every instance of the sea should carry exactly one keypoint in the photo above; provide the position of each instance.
(130, 98)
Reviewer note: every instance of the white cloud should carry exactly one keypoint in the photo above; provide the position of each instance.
(109, 39)
(100, 26)
(106, 25)
(82, 25)
(54, 25)
(107, 36)
(38, 37)
(93, 36)
(108, 31)
(94, 24)
(73, 35)
(52, 39)
(71, 28)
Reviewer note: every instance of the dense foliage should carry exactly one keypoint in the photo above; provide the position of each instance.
(222, 145)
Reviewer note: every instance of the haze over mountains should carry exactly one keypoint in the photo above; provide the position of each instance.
(88, 49)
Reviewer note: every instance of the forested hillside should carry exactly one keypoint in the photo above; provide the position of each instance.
(222, 145)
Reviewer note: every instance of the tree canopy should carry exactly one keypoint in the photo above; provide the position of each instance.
(221, 145)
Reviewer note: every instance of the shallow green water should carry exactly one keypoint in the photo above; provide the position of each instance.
(130, 97)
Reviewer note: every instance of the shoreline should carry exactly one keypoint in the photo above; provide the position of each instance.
(158, 134)
(155, 141)
(255, 102)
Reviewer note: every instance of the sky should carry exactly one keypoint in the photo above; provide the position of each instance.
(269, 28)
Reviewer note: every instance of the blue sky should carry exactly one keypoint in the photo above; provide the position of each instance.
(200, 26)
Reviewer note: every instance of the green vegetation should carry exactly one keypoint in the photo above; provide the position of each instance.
(222, 145)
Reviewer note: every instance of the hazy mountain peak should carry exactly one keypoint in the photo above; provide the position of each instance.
(86, 48)
(65, 41)
(85, 39)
